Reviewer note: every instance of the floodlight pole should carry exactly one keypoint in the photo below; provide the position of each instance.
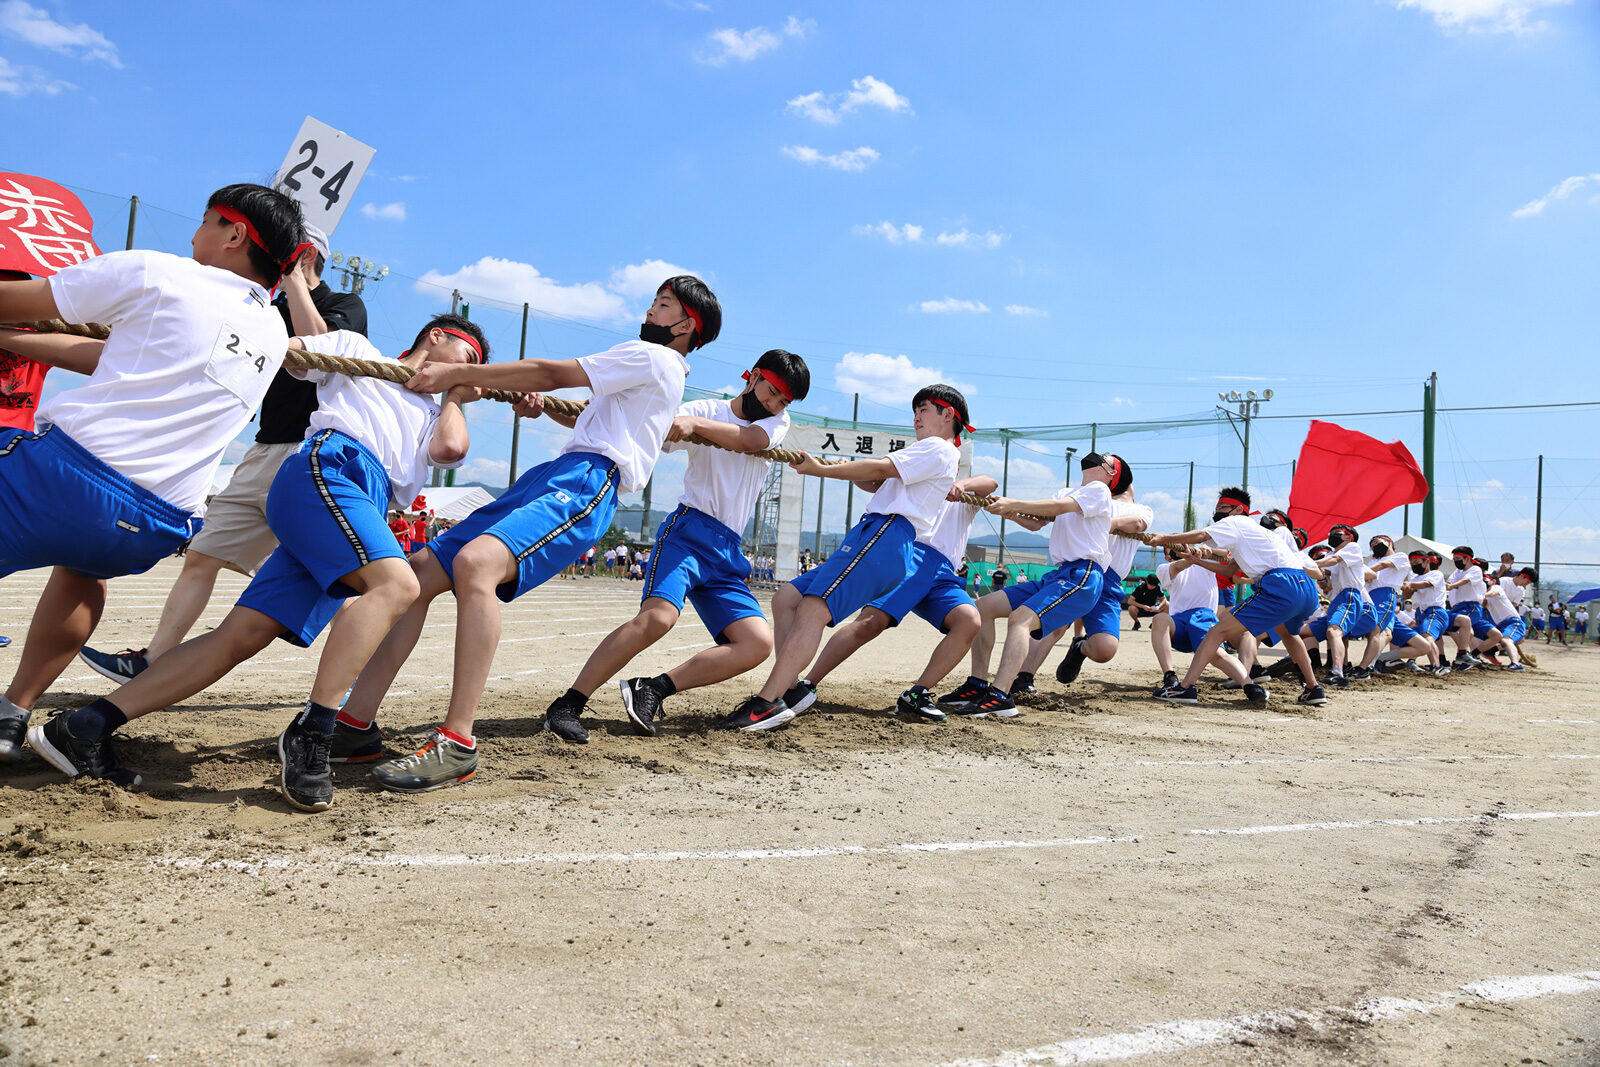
(516, 423)
(1430, 399)
(1249, 406)
(850, 487)
(1538, 524)
(133, 217)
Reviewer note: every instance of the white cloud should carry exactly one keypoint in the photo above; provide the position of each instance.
(854, 159)
(950, 304)
(1025, 310)
(1119, 402)
(34, 26)
(745, 45)
(487, 471)
(395, 212)
(888, 380)
(1028, 478)
(1561, 191)
(965, 239)
(23, 81)
(513, 283)
(640, 280)
(895, 235)
(1482, 16)
(829, 108)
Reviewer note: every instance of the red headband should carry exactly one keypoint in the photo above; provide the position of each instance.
(1116, 471)
(1237, 503)
(959, 420)
(465, 337)
(694, 316)
(772, 380)
(251, 232)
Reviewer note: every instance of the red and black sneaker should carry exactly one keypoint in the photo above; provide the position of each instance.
(973, 688)
(757, 714)
(993, 702)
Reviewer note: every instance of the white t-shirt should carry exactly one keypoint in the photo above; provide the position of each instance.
(1121, 550)
(1345, 568)
(1512, 590)
(1406, 618)
(1255, 548)
(927, 471)
(1083, 534)
(1498, 606)
(720, 483)
(1430, 595)
(1472, 592)
(391, 420)
(1537, 613)
(1393, 575)
(191, 353)
(948, 536)
(1191, 588)
(637, 389)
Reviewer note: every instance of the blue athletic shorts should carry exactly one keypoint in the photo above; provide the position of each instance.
(1283, 597)
(1559, 623)
(1400, 634)
(550, 517)
(328, 507)
(1473, 611)
(1432, 622)
(1538, 625)
(1351, 614)
(1385, 602)
(1189, 628)
(1061, 597)
(933, 592)
(1106, 615)
(1513, 628)
(877, 555)
(1225, 596)
(697, 558)
(65, 508)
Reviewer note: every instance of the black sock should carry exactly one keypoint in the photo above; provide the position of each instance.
(318, 717)
(96, 720)
(571, 699)
(663, 683)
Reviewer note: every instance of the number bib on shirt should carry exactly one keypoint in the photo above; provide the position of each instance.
(235, 367)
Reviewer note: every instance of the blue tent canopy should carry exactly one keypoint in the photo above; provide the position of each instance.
(1583, 595)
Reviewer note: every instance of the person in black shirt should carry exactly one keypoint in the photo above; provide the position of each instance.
(235, 534)
(1147, 600)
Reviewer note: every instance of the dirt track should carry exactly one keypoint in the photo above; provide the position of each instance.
(852, 888)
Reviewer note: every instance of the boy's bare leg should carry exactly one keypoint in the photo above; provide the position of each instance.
(195, 665)
(1040, 648)
(1019, 635)
(387, 587)
(991, 607)
(846, 641)
(749, 645)
(961, 626)
(480, 567)
(68, 611)
(655, 620)
(186, 601)
(1161, 628)
(1227, 629)
(799, 646)
(785, 603)
(373, 683)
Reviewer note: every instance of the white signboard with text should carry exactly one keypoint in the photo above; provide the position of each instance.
(322, 170)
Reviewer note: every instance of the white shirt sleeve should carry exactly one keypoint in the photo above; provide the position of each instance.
(921, 461)
(614, 370)
(1094, 499)
(1164, 574)
(336, 343)
(703, 409)
(102, 289)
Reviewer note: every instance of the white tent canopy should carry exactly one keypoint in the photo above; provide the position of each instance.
(1409, 544)
(455, 502)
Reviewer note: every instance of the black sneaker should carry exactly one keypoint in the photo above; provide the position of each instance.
(642, 701)
(1358, 674)
(801, 695)
(561, 719)
(350, 745)
(919, 702)
(122, 666)
(993, 702)
(1022, 686)
(73, 755)
(1067, 670)
(1441, 671)
(13, 729)
(1179, 694)
(757, 714)
(1337, 680)
(1255, 694)
(1168, 680)
(1462, 664)
(1313, 696)
(307, 776)
(1136, 624)
(973, 688)
(1257, 671)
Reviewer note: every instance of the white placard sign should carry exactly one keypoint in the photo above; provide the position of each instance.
(322, 170)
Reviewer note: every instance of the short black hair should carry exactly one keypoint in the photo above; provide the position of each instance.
(455, 322)
(695, 295)
(1532, 574)
(1124, 475)
(1241, 495)
(322, 261)
(949, 394)
(276, 218)
(1463, 550)
(788, 367)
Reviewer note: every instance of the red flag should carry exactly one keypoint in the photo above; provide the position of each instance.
(1345, 476)
(43, 228)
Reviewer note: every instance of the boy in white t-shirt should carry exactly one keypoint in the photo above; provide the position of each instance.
(697, 558)
(115, 478)
(540, 524)
(1191, 613)
(368, 447)
(878, 554)
(933, 593)
(1081, 528)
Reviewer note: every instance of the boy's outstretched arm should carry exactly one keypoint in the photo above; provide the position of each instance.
(27, 301)
(526, 375)
(81, 354)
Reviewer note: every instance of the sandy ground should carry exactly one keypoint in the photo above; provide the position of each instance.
(1101, 878)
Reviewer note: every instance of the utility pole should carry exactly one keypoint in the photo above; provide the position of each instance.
(822, 484)
(1430, 401)
(133, 217)
(516, 423)
(850, 487)
(455, 301)
(1247, 407)
(1188, 501)
(1538, 525)
(1005, 485)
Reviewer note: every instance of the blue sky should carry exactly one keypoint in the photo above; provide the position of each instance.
(1077, 211)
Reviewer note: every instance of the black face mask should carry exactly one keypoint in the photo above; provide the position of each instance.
(1093, 459)
(1419, 568)
(1271, 521)
(749, 408)
(1218, 516)
(1461, 564)
(656, 334)
(1379, 550)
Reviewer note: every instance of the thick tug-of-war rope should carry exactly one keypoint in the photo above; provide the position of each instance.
(300, 359)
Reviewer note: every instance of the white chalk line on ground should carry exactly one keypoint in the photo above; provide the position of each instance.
(1185, 1034)
(1270, 761)
(440, 860)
